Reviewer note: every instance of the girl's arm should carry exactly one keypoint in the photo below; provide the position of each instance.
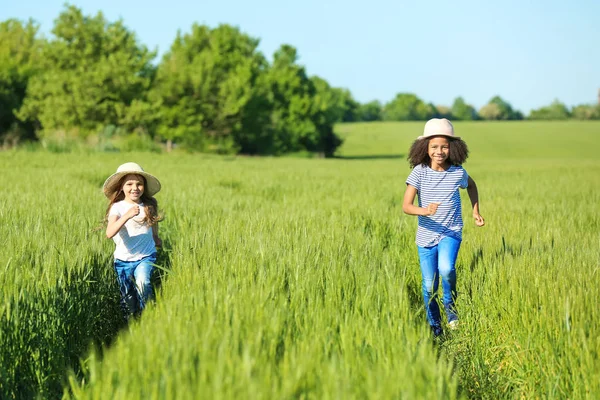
(409, 208)
(474, 197)
(115, 223)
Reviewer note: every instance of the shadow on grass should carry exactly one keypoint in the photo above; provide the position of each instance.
(51, 328)
(161, 272)
(46, 333)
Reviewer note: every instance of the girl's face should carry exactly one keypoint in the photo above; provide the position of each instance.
(438, 150)
(133, 188)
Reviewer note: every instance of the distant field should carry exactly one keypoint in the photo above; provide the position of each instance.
(299, 278)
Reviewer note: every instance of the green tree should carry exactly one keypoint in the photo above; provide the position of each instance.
(303, 109)
(333, 102)
(291, 93)
(371, 111)
(345, 103)
(210, 92)
(555, 111)
(586, 112)
(505, 110)
(94, 73)
(434, 111)
(331, 105)
(462, 111)
(442, 111)
(19, 60)
(339, 101)
(407, 107)
(491, 112)
(350, 106)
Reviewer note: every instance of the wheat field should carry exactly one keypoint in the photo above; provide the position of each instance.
(299, 277)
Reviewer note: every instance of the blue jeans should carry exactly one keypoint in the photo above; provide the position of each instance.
(435, 261)
(134, 283)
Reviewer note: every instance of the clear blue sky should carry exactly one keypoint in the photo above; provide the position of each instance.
(528, 52)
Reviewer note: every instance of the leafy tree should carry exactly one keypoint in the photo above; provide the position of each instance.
(350, 105)
(371, 111)
(340, 104)
(19, 60)
(291, 94)
(586, 112)
(506, 111)
(463, 111)
(504, 108)
(490, 111)
(209, 90)
(555, 111)
(333, 102)
(331, 105)
(518, 115)
(442, 111)
(407, 107)
(303, 109)
(93, 72)
(498, 109)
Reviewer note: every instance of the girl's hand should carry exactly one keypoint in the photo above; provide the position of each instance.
(478, 219)
(157, 242)
(432, 208)
(132, 212)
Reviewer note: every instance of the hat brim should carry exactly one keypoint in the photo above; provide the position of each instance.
(438, 134)
(152, 183)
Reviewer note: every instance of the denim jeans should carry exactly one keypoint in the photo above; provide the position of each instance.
(134, 283)
(439, 260)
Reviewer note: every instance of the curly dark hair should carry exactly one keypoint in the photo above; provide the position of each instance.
(418, 153)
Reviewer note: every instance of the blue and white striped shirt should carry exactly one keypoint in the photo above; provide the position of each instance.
(439, 187)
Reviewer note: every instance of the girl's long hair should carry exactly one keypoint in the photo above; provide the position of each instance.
(419, 152)
(150, 203)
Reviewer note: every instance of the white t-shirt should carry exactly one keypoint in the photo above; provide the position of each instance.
(134, 240)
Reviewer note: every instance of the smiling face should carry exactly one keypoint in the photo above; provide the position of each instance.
(438, 151)
(133, 188)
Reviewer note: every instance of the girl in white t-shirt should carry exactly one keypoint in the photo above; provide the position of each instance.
(437, 175)
(132, 222)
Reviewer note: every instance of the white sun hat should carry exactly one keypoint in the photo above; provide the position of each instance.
(152, 183)
(438, 127)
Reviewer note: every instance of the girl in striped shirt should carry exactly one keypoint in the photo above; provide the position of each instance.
(436, 158)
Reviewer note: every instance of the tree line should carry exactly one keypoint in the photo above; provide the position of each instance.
(94, 82)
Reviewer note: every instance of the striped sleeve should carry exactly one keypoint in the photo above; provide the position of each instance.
(414, 179)
(464, 182)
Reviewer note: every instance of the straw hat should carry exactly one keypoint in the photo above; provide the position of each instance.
(152, 183)
(438, 127)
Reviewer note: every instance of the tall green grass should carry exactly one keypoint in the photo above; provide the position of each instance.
(299, 278)
(56, 292)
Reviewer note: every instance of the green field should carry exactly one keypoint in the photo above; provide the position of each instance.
(299, 278)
